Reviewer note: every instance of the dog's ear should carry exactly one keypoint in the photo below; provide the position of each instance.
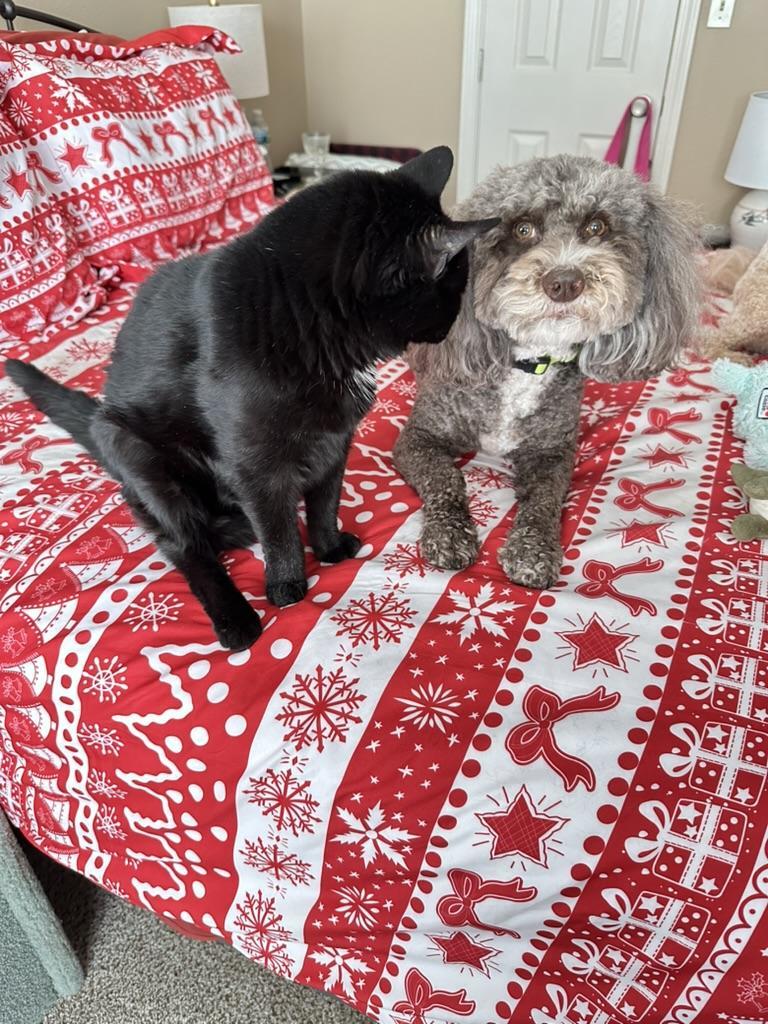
(430, 170)
(669, 309)
(448, 239)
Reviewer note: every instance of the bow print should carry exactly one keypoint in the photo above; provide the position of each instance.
(469, 889)
(207, 116)
(111, 133)
(421, 997)
(635, 492)
(38, 170)
(535, 737)
(601, 576)
(165, 130)
(683, 378)
(23, 455)
(662, 421)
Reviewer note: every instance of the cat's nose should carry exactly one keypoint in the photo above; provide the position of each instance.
(563, 284)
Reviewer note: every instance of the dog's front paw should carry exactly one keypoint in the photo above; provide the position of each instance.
(346, 546)
(286, 592)
(238, 627)
(531, 560)
(450, 544)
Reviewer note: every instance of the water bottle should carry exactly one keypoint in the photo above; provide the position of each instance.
(260, 130)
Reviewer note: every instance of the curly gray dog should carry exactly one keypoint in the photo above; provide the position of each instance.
(590, 273)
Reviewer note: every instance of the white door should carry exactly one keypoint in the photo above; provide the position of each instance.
(557, 74)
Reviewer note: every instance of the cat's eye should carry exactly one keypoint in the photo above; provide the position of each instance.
(524, 231)
(596, 227)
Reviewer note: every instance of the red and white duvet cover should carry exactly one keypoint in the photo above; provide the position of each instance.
(435, 795)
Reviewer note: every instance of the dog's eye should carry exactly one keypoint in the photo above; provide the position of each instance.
(595, 228)
(524, 231)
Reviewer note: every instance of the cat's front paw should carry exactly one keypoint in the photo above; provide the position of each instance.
(531, 560)
(450, 543)
(238, 628)
(286, 592)
(346, 546)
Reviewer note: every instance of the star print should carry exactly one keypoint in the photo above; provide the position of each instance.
(147, 141)
(74, 156)
(17, 180)
(667, 960)
(688, 812)
(730, 664)
(637, 532)
(743, 794)
(764, 952)
(660, 456)
(521, 830)
(716, 732)
(460, 948)
(628, 1010)
(707, 885)
(650, 903)
(616, 957)
(761, 714)
(597, 644)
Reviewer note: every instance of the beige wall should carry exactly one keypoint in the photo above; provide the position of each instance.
(285, 108)
(385, 72)
(727, 65)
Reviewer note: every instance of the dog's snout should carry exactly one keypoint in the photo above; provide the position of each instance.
(563, 284)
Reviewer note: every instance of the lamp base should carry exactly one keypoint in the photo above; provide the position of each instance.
(749, 220)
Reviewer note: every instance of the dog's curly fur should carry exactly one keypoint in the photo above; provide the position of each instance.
(639, 304)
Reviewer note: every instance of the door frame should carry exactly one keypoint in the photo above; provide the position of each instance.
(667, 120)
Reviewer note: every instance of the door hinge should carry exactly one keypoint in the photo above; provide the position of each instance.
(481, 65)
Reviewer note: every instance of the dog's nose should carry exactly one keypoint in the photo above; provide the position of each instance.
(563, 284)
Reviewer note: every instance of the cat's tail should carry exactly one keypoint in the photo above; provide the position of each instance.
(69, 409)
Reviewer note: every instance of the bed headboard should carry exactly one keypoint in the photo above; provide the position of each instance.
(9, 11)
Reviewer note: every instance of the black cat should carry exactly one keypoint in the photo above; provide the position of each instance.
(239, 376)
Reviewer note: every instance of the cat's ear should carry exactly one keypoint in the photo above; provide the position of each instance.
(430, 170)
(450, 238)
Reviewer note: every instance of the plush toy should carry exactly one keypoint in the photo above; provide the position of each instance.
(750, 414)
(746, 328)
(752, 525)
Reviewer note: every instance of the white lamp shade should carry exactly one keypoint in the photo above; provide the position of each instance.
(748, 165)
(245, 72)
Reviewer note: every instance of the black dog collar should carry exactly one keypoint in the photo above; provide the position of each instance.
(540, 365)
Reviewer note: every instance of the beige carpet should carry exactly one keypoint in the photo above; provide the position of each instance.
(140, 972)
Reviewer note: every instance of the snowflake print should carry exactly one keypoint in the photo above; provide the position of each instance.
(482, 510)
(150, 612)
(147, 91)
(407, 560)
(386, 406)
(406, 388)
(20, 112)
(108, 822)
(374, 836)
(430, 706)
(106, 680)
(106, 741)
(90, 349)
(365, 427)
(69, 94)
(10, 422)
(287, 799)
(754, 989)
(600, 410)
(342, 966)
(487, 478)
(359, 907)
(273, 859)
(262, 933)
(375, 619)
(103, 786)
(320, 707)
(205, 75)
(480, 612)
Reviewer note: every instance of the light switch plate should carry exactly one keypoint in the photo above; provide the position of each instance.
(720, 13)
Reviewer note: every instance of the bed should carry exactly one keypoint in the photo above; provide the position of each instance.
(437, 796)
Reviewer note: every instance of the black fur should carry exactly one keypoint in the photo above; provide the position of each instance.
(239, 376)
